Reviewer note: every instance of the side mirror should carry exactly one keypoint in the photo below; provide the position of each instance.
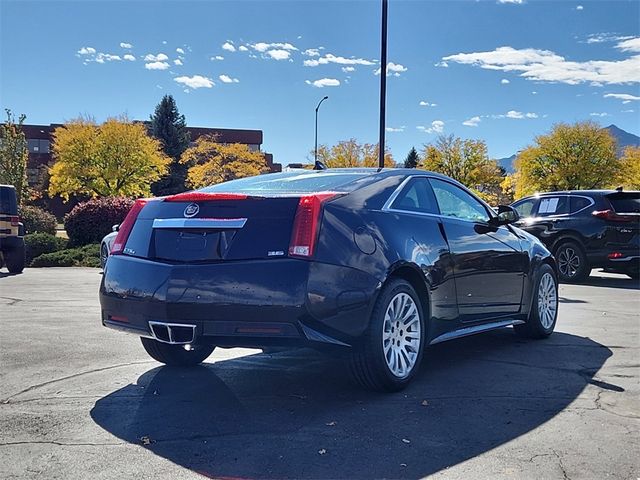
(506, 215)
(115, 228)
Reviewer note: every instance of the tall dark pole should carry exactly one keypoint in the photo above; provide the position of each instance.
(383, 83)
(315, 150)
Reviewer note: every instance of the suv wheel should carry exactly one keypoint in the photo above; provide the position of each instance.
(15, 259)
(176, 355)
(104, 255)
(544, 306)
(573, 266)
(392, 348)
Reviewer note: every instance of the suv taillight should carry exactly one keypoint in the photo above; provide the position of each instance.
(612, 216)
(306, 224)
(125, 227)
(15, 221)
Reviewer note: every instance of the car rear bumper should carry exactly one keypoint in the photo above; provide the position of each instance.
(247, 303)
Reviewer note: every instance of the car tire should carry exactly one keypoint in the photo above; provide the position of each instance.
(104, 255)
(573, 265)
(15, 259)
(544, 306)
(176, 355)
(391, 350)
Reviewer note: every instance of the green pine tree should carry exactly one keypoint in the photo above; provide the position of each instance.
(412, 159)
(168, 126)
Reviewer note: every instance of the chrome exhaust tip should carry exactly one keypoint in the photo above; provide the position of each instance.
(173, 333)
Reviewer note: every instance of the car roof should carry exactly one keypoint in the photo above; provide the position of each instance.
(581, 192)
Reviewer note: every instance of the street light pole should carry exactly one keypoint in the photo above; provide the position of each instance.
(383, 83)
(315, 150)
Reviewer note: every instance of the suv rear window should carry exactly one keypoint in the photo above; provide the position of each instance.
(549, 206)
(290, 182)
(8, 204)
(625, 202)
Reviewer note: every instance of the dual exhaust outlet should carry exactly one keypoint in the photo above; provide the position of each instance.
(173, 333)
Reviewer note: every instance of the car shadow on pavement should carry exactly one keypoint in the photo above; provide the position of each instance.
(295, 414)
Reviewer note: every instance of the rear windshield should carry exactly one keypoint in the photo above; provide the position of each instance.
(290, 182)
(625, 202)
(8, 205)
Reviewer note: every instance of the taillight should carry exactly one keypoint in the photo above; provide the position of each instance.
(203, 197)
(612, 216)
(615, 255)
(306, 223)
(15, 221)
(126, 226)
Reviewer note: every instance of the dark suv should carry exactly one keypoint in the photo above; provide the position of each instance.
(586, 229)
(11, 231)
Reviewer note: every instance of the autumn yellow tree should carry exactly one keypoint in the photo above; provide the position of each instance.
(570, 157)
(629, 173)
(466, 161)
(350, 153)
(211, 162)
(116, 158)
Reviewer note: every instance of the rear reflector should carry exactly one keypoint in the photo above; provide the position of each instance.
(204, 197)
(613, 216)
(306, 223)
(126, 226)
(15, 221)
(117, 318)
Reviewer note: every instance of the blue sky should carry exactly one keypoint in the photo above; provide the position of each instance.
(503, 71)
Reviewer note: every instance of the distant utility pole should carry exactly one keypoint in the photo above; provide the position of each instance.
(383, 83)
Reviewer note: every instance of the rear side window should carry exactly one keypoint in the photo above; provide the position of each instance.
(8, 204)
(290, 182)
(625, 202)
(525, 207)
(416, 196)
(579, 203)
(549, 206)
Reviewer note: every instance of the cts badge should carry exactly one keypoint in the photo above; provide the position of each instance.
(191, 210)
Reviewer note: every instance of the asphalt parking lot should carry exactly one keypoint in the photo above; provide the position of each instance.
(79, 401)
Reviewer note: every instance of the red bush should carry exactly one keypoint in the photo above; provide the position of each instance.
(90, 221)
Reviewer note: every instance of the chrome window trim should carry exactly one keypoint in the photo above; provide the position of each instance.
(199, 222)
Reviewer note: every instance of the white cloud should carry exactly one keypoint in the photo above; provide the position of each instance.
(606, 37)
(437, 126)
(312, 52)
(631, 110)
(427, 104)
(516, 2)
(324, 82)
(87, 51)
(161, 57)
(228, 46)
(504, 81)
(631, 45)
(516, 115)
(125, 45)
(442, 64)
(180, 51)
(129, 57)
(107, 57)
(217, 57)
(330, 58)
(599, 114)
(625, 97)
(393, 69)
(177, 61)
(227, 79)
(156, 66)
(194, 82)
(348, 69)
(547, 66)
(579, 7)
(279, 54)
(472, 122)
(534, 93)
(263, 47)
(395, 129)
(242, 48)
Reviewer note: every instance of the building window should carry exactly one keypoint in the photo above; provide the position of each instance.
(44, 146)
(34, 145)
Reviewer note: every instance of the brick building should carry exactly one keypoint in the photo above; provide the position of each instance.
(39, 139)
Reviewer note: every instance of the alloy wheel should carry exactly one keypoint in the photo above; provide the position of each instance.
(401, 335)
(568, 262)
(547, 300)
(104, 255)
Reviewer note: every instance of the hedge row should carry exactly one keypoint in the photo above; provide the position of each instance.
(86, 256)
(37, 220)
(90, 221)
